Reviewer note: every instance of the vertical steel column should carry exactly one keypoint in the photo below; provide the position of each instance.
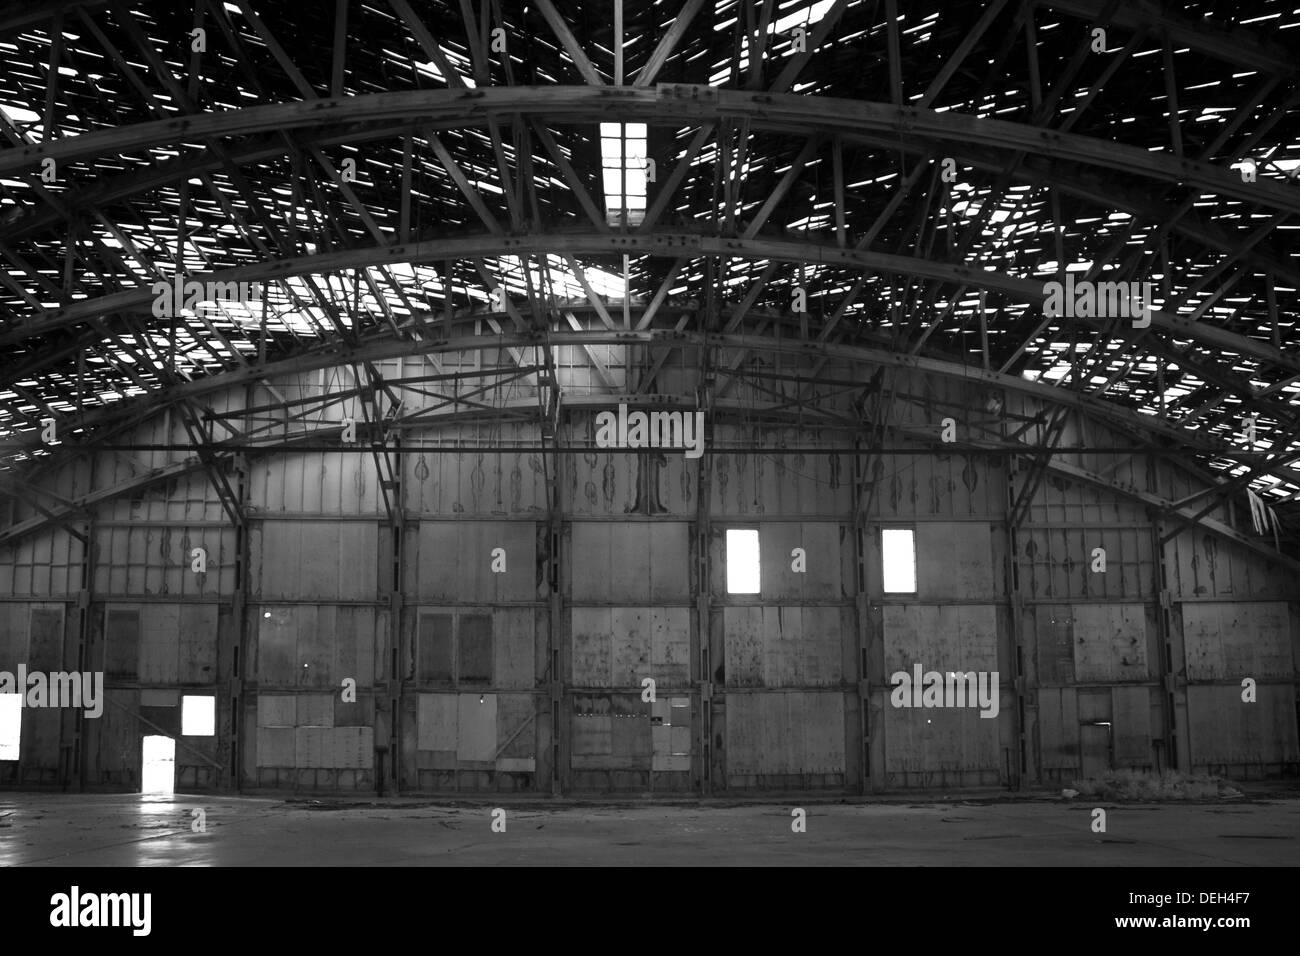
(239, 615)
(1018, 766)
(84, 626)
(862, 612)
(396, 608)
(703, 626)
(1165, 630)
(555, 624)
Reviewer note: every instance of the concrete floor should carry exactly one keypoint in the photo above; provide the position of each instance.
(38, 829)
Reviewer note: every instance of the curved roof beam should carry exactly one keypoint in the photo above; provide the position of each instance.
(674, 244)
(379, 349)
(788, 112)
(1099, 190)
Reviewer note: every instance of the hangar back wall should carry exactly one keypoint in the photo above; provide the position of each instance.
(498, 633)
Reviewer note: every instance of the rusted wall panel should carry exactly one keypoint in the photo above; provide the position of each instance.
(610, 732)
(1232, 641)
(1206, 565)
(618, 647)
(785, 646)
(476, 483)
(1058, 563)
(1131, 723)
(1058, 728)
(149, 560)
(1227, 731)
(1110, 642)
(940, 637)
(785, 733)
(1053, 629)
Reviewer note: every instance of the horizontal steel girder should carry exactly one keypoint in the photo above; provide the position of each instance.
(666, 103)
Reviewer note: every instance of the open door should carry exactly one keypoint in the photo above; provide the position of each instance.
(159, 775)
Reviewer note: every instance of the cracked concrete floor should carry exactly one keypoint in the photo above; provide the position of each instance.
(39, 829)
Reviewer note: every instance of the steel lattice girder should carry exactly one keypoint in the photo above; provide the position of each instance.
(666, 103)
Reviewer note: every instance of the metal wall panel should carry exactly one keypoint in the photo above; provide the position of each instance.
(956, 561)
(633, 563)
(322, 560)
(1058, 728)
(150, 560)
(43, 565)
(330, 483)
(14, 625)
(1053, 629)
(790, 732)
(476, 721)
(453, 562)
(604, 484)
(438, 723)
(1228, 732)
(316, 646)
(474, 483)
(1224, 641)
(618, 647)
(1110, 642)
(826, 548)
(941, 637)
(1131, 726)
(1206, 565)
(277, 710)
(785, 646)
(1057, 563)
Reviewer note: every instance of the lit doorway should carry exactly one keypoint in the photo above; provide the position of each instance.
(159, 776)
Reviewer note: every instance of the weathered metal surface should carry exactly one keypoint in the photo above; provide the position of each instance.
(325, 560)
(785, 646)
(618, 647)
(1226, 641)
(1111, 642)
(633, 563)
(785, 733)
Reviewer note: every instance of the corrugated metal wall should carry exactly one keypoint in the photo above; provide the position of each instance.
(472, 674)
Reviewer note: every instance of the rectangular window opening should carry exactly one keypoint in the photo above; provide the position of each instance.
(11, 725)
(898, 560)
(623, 165)
(742, 561)
(198, 716)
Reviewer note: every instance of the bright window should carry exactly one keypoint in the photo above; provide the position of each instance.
(742, 561)
(11, 725)
(198, 716)
(898, 560)
(623, 169)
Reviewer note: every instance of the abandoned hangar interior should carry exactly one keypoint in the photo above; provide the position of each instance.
(393, 388)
